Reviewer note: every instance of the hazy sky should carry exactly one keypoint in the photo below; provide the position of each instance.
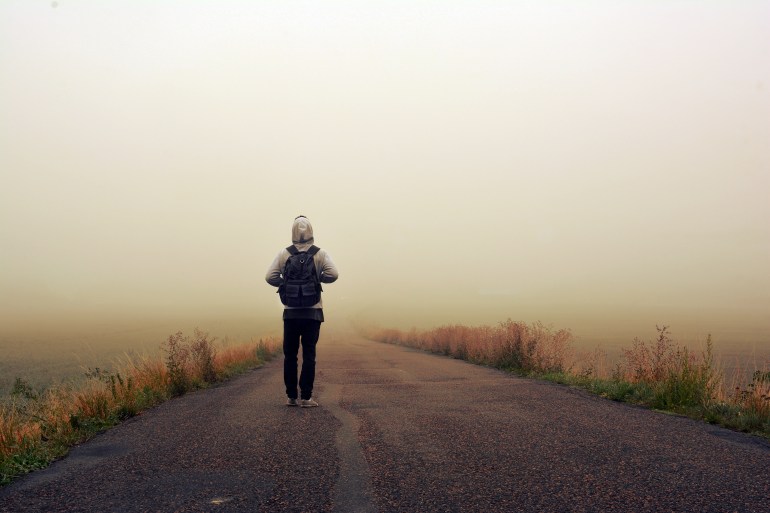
(583, 163)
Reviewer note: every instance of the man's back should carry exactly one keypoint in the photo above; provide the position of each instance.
(302, 324)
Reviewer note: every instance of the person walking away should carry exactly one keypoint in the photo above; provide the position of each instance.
(298, 272)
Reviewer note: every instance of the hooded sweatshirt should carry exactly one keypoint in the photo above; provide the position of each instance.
(302, 238)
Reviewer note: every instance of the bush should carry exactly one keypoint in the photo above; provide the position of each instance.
(754, 399)
(177, 362)
(678, 378)
(202, 353)
(190, 361)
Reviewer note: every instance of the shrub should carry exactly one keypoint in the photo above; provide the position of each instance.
(202, 352)
(23, 389)
(677, 378)
(754, 399)
(177, 361)
(649, 363)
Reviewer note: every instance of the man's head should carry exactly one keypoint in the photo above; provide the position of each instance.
(302, 231)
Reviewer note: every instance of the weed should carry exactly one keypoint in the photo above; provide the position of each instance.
(22, 388)
(202, 354)
(510, 345)
(754, 400)
(177, 359)
(38, 427)
(659, 374)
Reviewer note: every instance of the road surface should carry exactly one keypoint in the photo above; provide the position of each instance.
(400, 430)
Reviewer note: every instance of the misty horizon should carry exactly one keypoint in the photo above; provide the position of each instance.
(603, 168)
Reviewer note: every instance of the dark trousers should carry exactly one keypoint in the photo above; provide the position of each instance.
(295, 331)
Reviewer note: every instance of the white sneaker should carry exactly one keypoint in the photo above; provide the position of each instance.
(292, 402)
(308, 403)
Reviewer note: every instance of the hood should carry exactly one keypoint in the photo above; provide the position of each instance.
(302, 231)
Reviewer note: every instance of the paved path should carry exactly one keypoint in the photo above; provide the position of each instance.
(400, 430)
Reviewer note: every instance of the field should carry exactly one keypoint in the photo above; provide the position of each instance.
(43, 356)
(51, 355)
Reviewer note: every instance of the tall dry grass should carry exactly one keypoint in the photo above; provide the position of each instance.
(676, 376)
(660, 373)
(509, 345)
(39, 426)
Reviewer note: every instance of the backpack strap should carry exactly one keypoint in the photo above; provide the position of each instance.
(292, 250)
(312, 250)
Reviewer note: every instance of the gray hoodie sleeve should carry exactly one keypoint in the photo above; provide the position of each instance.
(273, 276)
(329, 273)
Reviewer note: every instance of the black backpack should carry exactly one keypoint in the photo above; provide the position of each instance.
(301, 288)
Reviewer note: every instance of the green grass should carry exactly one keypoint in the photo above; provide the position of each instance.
(730, 414)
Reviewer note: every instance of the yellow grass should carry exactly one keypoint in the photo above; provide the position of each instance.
(660, 373)
(510, 344)
(36, 427)
(233, 355)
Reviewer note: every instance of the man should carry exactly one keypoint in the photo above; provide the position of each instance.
(302, 314)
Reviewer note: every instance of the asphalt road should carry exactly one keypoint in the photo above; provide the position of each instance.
(400, 430)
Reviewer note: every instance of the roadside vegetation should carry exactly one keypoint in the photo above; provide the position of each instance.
(39, 426)
(659, 374)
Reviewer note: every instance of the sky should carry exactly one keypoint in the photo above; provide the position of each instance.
(598, 165)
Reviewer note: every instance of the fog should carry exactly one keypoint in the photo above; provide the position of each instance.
(602, 166)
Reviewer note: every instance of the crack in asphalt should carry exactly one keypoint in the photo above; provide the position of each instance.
(353, 486)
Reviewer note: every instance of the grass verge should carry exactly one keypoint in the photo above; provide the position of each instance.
(37, 427)
(659, 374)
